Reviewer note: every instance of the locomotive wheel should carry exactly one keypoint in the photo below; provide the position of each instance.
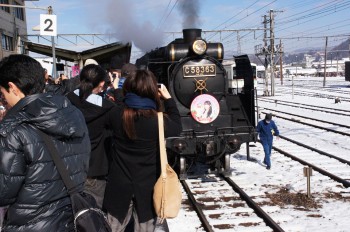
(183, 173)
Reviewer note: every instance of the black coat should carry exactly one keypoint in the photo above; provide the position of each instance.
(135, 164)
(30, 184)
(96, 120)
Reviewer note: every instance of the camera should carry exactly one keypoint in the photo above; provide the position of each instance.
(160, 86)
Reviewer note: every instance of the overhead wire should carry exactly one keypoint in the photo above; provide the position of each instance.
(295, 14)
(166, 10)
(171, 10)
(251, 14)
(310, 17)
(232, 18)
(321, 12)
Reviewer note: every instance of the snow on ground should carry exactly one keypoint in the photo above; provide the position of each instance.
(334, 212)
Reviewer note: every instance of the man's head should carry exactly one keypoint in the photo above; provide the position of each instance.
(268, 118)
(128, 69)
(21, 75)
(46, 74)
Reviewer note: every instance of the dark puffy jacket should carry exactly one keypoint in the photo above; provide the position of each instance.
(29, 182)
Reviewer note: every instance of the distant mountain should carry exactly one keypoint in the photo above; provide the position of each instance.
(342, 49)
(297, 56)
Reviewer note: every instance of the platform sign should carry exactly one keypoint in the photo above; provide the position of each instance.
(48, 24)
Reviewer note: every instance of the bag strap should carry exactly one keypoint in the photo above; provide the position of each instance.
(162, 150)
(63, 171)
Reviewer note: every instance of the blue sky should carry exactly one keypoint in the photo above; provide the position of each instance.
(299, 23)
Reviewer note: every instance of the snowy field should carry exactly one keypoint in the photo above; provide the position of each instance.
(333, 200)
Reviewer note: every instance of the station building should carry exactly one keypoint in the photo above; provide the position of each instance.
(12, 25)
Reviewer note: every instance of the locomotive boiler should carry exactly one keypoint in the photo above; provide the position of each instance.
(216, 119)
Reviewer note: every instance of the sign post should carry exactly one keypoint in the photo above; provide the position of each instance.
(48, 26)
(308, 174)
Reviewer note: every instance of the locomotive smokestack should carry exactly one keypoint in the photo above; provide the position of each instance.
(191, 34)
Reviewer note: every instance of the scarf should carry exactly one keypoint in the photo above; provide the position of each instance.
(134, 101)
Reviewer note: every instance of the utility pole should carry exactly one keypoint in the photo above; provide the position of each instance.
(239, 50)
(281, 65)
(337, 63)
(54, 74)
(266, 80)
(325, 62)
(269, 52)
(272, 53)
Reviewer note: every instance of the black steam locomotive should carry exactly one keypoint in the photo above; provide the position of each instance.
(216, 119)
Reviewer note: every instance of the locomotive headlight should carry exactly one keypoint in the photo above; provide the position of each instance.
(199, 47)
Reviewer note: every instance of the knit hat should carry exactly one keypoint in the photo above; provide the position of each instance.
(90, 61)
(268, 117)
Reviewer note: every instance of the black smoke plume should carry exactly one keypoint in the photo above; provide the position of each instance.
(190, 12)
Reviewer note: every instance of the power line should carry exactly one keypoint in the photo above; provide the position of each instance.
(234, 17)
(171, 10)
(161, 20)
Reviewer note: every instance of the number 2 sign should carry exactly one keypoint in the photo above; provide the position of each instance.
(48, 24)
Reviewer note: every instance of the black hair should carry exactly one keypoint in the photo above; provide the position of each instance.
(128, 69)
(144, 84)
(90, 77)
(24, 71)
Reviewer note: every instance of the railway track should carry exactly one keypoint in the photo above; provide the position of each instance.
(328, 165)
(342, 112)
(314, 94)
(222, 205)
(332, 90)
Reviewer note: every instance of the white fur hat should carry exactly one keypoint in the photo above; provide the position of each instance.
(90, 61)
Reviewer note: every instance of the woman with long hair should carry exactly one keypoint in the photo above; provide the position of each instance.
(135, 165)
(94, 109)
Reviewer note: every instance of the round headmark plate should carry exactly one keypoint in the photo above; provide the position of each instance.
(205, 108)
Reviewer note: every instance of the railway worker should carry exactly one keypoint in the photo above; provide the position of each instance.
(30, 185)
(267, 129)
(135, 165)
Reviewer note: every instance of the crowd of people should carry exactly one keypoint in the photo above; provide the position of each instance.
(100, 124)
(103, 126)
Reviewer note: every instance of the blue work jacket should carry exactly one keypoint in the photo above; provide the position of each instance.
(267, 131)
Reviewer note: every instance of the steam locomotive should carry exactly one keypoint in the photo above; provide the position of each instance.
(216, 118)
